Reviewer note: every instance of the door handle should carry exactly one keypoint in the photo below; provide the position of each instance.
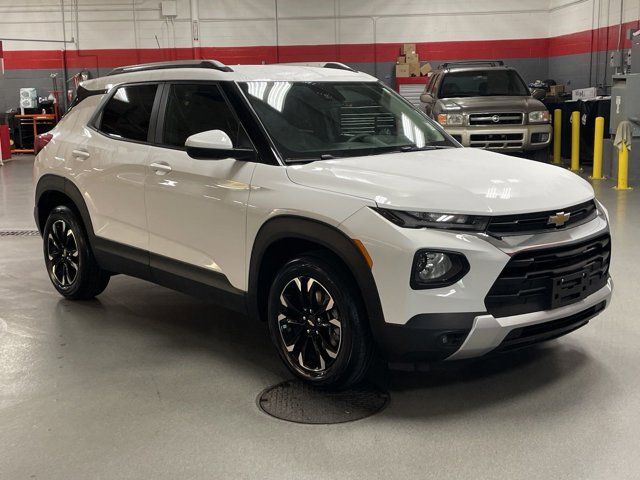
(81, 154)
(161, 168)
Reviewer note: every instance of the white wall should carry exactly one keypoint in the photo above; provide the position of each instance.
(225, 23)
(569, 16)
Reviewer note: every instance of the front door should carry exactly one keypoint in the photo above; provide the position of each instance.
(196, 209)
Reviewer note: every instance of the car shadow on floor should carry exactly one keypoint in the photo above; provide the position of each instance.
(141, 313)
(449, 389)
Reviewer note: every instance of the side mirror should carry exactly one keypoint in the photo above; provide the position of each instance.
(539, 93)
(426, 98)
(215, 145)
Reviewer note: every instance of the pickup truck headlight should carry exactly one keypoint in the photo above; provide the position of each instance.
(433, 269)
(451, 119)
(540, 116)
(443, 221)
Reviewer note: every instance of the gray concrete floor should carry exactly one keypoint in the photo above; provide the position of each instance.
(148, 383)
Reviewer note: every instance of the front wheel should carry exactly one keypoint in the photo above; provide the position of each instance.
(72, 268)
(317, 323)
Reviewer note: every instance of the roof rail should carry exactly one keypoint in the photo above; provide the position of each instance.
(338, 66)
(143, 67)
(491, 63)
(335, 65)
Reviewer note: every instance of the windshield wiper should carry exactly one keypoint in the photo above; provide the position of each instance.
(324, 156)
(413, 148)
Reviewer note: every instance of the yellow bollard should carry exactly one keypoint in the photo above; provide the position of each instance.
(557, 136)
(597, 149)
(623, 168)
(575, 141)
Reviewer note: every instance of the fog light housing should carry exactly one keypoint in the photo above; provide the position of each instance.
(540, 137)
(436, 268)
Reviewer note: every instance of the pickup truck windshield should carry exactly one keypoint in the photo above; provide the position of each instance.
(482, 84)
(321, 120)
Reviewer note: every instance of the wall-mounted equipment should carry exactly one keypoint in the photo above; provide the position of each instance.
(28, 98)
(635, 52)
(169, 8)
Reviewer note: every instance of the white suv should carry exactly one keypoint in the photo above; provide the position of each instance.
(320, 201)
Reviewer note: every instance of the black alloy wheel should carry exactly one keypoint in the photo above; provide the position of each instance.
(318, 323)
(310, 325)
(72, 268)
(62, 255)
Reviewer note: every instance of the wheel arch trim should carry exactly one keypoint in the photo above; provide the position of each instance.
(56, 183)
(293, 227)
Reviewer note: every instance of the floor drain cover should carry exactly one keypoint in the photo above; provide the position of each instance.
(298, 402)
(19, 233)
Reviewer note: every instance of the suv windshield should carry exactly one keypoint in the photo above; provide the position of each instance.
(482, 84)
(323, 120)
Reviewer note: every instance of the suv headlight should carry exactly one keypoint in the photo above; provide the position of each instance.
(451, 119)
(540, 116)
(443, 221)
(434, 269)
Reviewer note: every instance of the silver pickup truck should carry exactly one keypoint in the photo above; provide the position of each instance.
(486, 104)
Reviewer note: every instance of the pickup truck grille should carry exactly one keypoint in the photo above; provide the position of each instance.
(528, 282)
(498, 118)
(538, 222)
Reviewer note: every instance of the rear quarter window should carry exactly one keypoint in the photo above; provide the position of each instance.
(127, 114)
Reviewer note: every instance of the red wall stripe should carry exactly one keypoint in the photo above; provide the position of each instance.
(600, 39)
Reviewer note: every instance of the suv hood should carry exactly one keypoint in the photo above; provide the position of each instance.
(494, 104)
(453, 180)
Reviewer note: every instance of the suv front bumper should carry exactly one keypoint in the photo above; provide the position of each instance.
(452, 322)
(424, 337)
(509, 138)
(489, 333)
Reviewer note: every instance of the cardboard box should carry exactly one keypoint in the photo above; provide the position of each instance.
(401, 59)
(402, 70)
(425, 69)
(412, 58)
(414, 69)
(408, 48)
(556, 89)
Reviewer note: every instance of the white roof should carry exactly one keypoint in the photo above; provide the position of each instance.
(240, 73)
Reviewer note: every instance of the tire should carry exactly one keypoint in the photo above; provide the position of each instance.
(70, 263)
(317, 323)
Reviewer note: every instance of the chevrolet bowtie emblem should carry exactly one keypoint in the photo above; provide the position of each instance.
(559, 219)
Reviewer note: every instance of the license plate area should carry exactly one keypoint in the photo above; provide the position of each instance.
(569, 289)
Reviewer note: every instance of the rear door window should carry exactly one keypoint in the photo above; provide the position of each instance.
(127, 114)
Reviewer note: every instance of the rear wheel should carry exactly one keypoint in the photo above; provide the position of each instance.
(317, 323)
(72, 268)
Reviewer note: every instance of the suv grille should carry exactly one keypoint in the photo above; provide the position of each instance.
(496, 140)
(498, 118)
(543, 279)
(539, 222)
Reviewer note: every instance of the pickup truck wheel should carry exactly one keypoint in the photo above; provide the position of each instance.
(70, 263)
(317, 323)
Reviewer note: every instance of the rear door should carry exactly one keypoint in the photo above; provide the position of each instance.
(196, 209)
(114, 162)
